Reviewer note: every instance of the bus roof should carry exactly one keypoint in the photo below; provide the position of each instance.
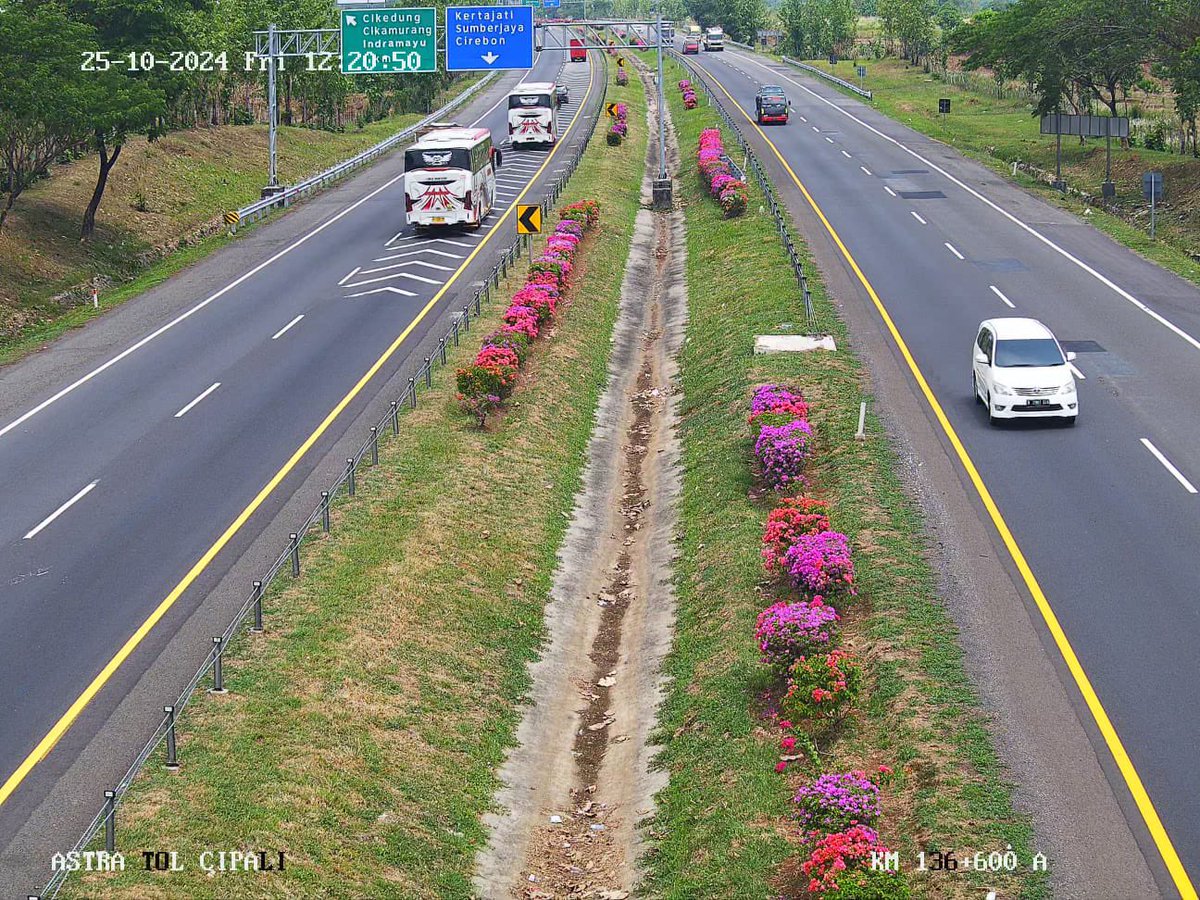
(533, 87)
(453, 137)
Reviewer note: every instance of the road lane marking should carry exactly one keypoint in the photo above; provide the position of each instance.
(390, 277)
(419, 240)
(889, 190)
(1112, 740)
(1066, 254)
(829, 139)
(999, 293)
(62, 509)
(951, 248)
(67, 719)
(802, 119)
(866, 171)
(399, 234)
(441, 253)
(816, 129)
(409, 262)
(183, 412)
(847, 155)
(1169, 466)
(383, 290)
(916, 215)
(277, 335)
(1076, 372)
(348, 277)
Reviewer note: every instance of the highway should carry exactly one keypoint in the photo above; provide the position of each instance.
(1105, 517)
(134, 481)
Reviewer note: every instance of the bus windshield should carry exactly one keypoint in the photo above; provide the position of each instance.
(528, 101)
(437, 158)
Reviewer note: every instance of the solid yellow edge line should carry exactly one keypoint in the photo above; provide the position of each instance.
(46, 744)
(1159, 833)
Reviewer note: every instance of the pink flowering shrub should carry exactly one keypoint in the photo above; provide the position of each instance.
(684, 85)
(622, 112)
(787, 631)
(734, 199)
(492, 355)
(837, 800)
(840, 858)
(552, 265)
(795, 516)
(585, 212)
(782, 451)
(775, 398)
(522, 319)
(820, 564)
(514, 341)
(730, 192)
(622, 76)
(823, 685)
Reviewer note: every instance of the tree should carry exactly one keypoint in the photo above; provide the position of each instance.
(44, 94)
(816, 28)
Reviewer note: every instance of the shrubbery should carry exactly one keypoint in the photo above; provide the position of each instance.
(787, 631)
(718, 175)
(491, 378)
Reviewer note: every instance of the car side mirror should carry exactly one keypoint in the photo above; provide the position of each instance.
(789, 104)
(497, 161)
(980, 356)
(1070, 356)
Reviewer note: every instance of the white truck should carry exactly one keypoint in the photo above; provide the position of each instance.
(714, 39)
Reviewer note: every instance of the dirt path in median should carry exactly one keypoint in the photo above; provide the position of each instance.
(579, 783)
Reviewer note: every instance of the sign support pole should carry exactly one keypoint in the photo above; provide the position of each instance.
(272, 56)
(662, 119)
(1153, 196)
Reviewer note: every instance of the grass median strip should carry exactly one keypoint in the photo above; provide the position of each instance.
(362, 731)
(724, 826)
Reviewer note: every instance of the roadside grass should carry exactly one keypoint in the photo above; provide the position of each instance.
(161, 211)
(999, 132)
(363, 729)
(723, 827)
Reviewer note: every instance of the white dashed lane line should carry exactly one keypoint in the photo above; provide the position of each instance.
(865, 170)
(348, 277)
(916, 215)
(280, 333)
(1187, 485)
(183, 412)
(62, 509)
(889, 190)
(953, 250)
(845, 154)
(1000, 294)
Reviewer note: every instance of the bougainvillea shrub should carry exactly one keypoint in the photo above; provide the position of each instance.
(786, 523)
(782, 451)
(836, 800)
(840, 857)
(786, 631)
(823, 685)
(585, 212)
(820, 564)
(776, 398)
(515, 341)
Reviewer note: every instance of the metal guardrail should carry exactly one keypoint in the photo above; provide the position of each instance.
(287, 196)
(833, 79)
(345, 484)
(764, 182)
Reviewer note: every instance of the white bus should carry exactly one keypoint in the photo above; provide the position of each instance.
(531, 113)
(450, 177)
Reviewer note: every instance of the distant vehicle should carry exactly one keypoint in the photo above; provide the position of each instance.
(668, 32)
(562, 94)
(771, 105)
(714, 39)
(1020, 371)
(691, 46)
(450, 177)
(531, 115)
(692, 31)
(578, 52)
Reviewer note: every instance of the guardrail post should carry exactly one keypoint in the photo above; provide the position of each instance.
(350, 476)
(454, 331)
(428, 366)
(412, 393)
(258, 594)
(374, 445)
(110, 820)
(295, 539)
(218, 675)
(395, 407)
(442, 350)
(325, 511)
(172, 758)
(466, 319)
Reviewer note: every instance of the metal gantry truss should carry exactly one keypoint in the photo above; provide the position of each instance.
(623, 34)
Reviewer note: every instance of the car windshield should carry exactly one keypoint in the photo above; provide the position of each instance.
(770, 89)
(1028, 352)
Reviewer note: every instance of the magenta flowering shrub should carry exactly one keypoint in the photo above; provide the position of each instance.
(729, 191)
(684, 85)
(787, 631)
(622, 76)
(836, 800)
(775, 398)
(622, 112)
(523, 319)
(820, 564)
(689, 95)
(782, 451)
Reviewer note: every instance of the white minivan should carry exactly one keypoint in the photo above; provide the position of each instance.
(450, 177)
(1019, 371)
(531, 113)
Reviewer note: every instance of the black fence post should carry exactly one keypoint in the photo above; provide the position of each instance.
(374, 446)
(325, 511)
(466, 318)
(172, 757)
(350, 476)
(428, 372)
(442, 350)
(412, 393)
(110, 820)
(218, 675)
(295, 539)
(395, 417)
(258, 592)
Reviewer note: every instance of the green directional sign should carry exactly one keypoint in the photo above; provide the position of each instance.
(381, 41)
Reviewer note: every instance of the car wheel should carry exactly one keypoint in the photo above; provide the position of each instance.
(992, 420)
(975, 389)
(1069, 421)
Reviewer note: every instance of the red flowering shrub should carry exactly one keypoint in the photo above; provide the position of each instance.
(793, 517)
(482, 387)
(823, 685)
(515, 341)
(586, 212)
(523, 319)
(496, 356)
(840, 856)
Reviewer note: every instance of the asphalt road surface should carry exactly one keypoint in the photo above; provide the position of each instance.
(132, 449)
(1106, 514)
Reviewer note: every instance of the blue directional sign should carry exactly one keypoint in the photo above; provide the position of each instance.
(488, 37)
(551, 3)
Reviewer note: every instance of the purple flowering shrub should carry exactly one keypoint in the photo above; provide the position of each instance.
(782, 451)
(820, 564)
(837, 800)
(786, 631)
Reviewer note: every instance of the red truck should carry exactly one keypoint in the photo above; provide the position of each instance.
(578, 52)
